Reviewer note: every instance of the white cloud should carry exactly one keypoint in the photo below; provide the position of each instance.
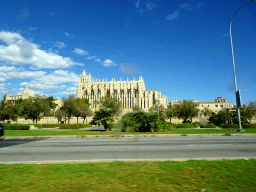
(55, 80)
(66, 34)
(137, 4)
(108, 63)
(2, 88)
(80, 51)
(173, 16)
(60, 45)
(20, 51)
(50, 50)
(150, 5)
(98, 60)
(226, 34)
(129, 68)
(190, 7)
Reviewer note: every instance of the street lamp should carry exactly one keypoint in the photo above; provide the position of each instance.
(158, 100)
(237, 92)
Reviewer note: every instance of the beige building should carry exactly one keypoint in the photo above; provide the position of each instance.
(28, 93)
(216, 105)
(131, 92)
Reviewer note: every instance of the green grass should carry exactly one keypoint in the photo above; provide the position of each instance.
(56, 132)
(193, 175)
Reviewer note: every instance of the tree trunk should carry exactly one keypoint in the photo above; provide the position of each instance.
(83, 120)
(170, 120)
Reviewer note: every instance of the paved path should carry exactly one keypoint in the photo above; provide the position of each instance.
(125, 148)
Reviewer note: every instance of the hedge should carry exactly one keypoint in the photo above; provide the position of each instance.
(248, 126)
(37, 125)
(196, 124)
(185, 125)
(229, 125)
(69, 126)
(16, 127)
(208, 125)
(84, 125)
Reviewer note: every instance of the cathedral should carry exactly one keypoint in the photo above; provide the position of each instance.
(130, 92)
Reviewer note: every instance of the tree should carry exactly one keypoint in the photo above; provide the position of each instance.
(186, 110)
(248, 111)
(170, 112)
(105, 116)
(34, 108)
(206, 112)
(69, 106)
(82, 108)
(112, 103)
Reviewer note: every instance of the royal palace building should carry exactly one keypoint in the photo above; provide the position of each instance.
(130, 92)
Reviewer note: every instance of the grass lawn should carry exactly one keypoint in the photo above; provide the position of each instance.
(193, 175)
(40, 132)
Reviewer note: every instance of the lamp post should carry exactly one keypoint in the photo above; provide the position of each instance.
(158, 100)
(237, 92)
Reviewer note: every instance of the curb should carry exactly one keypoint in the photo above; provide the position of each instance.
(132, 135)
(126, 160)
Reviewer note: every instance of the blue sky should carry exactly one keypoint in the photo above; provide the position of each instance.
(181, 48)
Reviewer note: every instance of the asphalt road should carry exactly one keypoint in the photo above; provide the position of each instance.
(125, 148)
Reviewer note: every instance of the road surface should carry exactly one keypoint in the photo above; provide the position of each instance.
(125, 148)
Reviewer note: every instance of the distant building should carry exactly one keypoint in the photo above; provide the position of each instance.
(216, 105)
(131, 92)
(28, 93)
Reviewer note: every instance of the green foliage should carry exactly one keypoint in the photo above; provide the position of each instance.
(174, 125)
(69, 126)
(140, 122)
(229, 125)
(248, 126)
(69, 107)
(50, 125)
(84, 125)
(170, 112)
(16, 127)
(206, 112)
(196, 124)
(185, 125)
(186, 110)
(208, 125)
(37, 125)
(105, 116)
(112, 103)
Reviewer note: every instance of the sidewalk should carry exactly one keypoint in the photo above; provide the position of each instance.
(130, 135)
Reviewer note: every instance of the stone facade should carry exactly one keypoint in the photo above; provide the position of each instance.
(28, 93)
(130, 92)
(216, 105)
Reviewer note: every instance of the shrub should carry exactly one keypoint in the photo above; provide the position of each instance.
(84, 125)
(174, 125)
(208, 125)
(229, 125)
(69, 126)
(16, 127)
(196, 124)
(248, 126)
(37, 125)
(185, 125)
(50, 125)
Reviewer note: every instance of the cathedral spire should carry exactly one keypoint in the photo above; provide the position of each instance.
(84, 74)
(90, 77)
